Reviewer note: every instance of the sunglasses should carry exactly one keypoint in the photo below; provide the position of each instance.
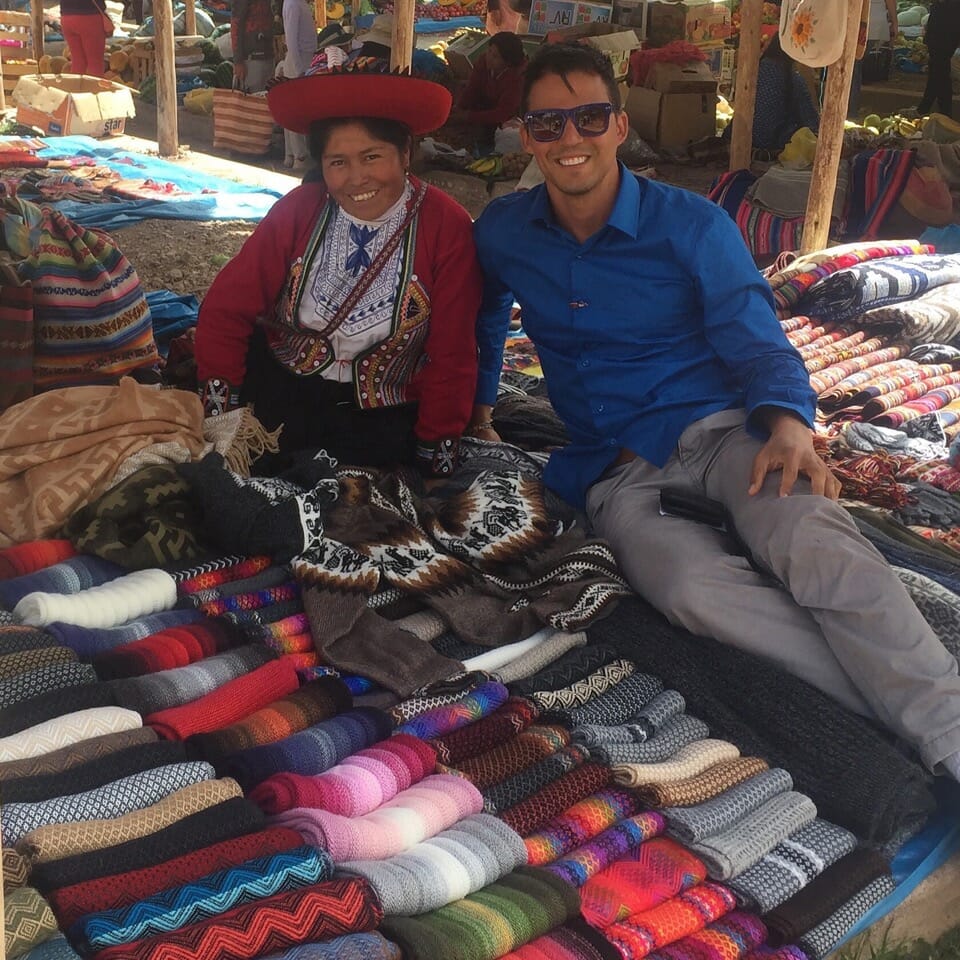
(590, 119)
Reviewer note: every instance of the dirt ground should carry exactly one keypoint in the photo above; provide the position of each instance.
(185, 256)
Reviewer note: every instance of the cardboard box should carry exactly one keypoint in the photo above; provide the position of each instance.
(615, 44)
(71, 104)
(632, 14)
(692, 22)
(547, 15)
(672, 119)
(464, 51)
(721, 60)
(693, 77)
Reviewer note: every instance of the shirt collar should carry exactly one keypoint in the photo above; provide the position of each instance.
(625, 215)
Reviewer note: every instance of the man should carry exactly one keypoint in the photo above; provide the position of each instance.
(664, 359)
(251, 28)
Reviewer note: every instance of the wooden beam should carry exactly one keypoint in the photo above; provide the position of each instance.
(826, 160)
(36, 10)
(167, 135)
(190, 18)
(401, 49)
(320, 14)
(3, 106)
(745, 93)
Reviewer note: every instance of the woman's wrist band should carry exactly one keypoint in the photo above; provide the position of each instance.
(474, 427)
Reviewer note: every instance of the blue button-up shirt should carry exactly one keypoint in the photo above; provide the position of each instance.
(656, 321)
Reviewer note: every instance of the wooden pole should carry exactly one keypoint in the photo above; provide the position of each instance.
(826, 160)
(320, 14)
(745, 93)
(190, 18)
(401, 50)
(3, 106)
(167, 136)
(36, 9)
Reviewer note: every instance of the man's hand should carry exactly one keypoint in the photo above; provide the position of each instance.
(790, 450)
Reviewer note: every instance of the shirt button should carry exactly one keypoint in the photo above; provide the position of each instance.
(584, 363)
(613, 442)
(599, 408)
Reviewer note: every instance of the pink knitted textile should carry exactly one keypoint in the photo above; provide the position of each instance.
(416, 814)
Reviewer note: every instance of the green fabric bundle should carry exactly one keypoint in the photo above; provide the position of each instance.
(502, 917)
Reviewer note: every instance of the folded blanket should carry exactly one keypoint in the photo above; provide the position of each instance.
(477, 851)
(575, 940)
(579, 823)
(478, 703)
(24, 661)
(55, 703)
(226, 820)
(317, 912)
(613, 844)
(116, 799)
(92, 642)
(15, 636)
(173, 688)
(16, 869)
(618, 704)
(66, 577)
(731, 936)
(654, 715)
(642, 933)
(56, 948)
(27, 921)
(524, 750)
(439, 694)
(351, 946)
(107, 605)
(532, 813)
(791, 865)
(690, 825)
(115, 892)
(649, 874)
(233, 701)
(488, 924)
(208, 896)
(47, 679)
(687, 762)
(416, 814)
(703, 786)
(66, 839)
(664, 744)
(566, 670)
(527, 782)
(34, 555)
(540, 657)
(62, 731)
(312, 751)
(511, 718)
(312, 703)
(742, 844)
(820, 941)
(362, 783)
(582, 691)
(212, 574)
(166, 649)
(68, 758)
(92, 773)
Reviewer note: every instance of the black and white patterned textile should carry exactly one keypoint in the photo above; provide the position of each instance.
(821, 940)
(673, 735)
(585, 690)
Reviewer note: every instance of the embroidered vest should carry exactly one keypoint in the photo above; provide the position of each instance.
(382, 374)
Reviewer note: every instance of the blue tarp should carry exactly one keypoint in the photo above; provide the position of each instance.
(431, 26)
(208, 197)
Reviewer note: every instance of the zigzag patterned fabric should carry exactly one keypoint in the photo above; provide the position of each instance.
(47, 706)
(319, 912)
(46, 679)
(513, 717)
(614, 843)
(527, 748)
(478, 703)
(592, 685)
(118, 890)
(203, 898)
(521, 785)
(16, 869)
(27, 921)
(66, 730)
(580, 823)
(620, 703)
(112, 800)
(437, 695)
(650, 874)
(532, 813)
(726, 939)
(566, 670)
(214, 573)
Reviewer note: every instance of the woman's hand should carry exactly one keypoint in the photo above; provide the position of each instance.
(790, 450)
(481, 424)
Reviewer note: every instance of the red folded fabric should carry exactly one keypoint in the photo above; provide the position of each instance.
(554, 798)
(23, 558)
(230, 703)
(319, 912)
(123, 889)
(503, 724)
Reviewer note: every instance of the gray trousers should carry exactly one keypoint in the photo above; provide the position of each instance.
(844, 623)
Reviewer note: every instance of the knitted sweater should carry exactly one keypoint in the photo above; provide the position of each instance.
(430, 355)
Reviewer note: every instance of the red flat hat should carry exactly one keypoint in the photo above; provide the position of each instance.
(420, 104)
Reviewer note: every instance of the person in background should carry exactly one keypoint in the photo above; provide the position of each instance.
(348, 317)
(492, 93)
(300, 33)
(783, 104)
(251, 29)
(881, 28)
(83, 30)
(501, 17)
(663, 357)
(942, 36)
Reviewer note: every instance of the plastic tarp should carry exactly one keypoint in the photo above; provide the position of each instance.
(204, 197)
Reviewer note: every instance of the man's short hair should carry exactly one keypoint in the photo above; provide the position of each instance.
(561, 59)
(510, 47)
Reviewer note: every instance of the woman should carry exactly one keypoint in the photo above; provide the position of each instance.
(84, 30)
(942, 37)
(348, 316)
(501, 17)
(300, 34)
(783, 104)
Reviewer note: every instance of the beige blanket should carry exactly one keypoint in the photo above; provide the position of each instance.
(61, 449)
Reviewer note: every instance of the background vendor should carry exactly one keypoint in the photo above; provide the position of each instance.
(348, 316)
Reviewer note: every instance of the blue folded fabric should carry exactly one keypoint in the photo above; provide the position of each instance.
(68, 577)
(87, 642)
